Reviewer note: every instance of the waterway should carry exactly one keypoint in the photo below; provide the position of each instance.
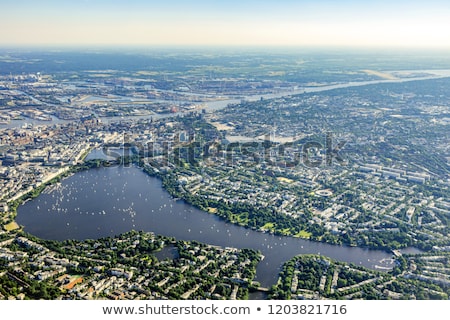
(212, 106)
(108, 201)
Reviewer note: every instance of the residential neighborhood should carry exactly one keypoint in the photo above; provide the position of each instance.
(124, 267)
(355, 160)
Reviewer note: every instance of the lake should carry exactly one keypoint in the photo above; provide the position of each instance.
(108, 201)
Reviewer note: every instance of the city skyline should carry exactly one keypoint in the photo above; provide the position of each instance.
(349, 23)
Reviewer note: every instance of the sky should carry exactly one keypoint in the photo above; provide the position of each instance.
(310, 23)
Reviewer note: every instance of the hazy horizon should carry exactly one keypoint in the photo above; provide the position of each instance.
(255, 24)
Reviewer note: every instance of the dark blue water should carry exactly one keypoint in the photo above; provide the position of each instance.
(108, 201)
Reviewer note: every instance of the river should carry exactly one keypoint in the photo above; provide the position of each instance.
(109, 201)
(211, 106)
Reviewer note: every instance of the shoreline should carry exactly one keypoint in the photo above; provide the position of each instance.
(91, 164)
